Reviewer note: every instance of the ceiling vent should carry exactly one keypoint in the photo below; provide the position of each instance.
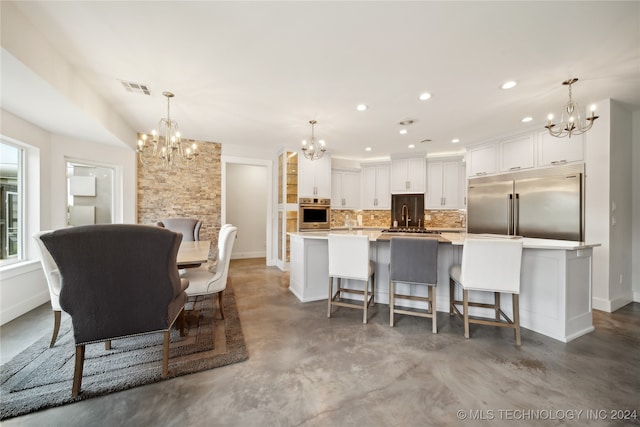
(136, 87)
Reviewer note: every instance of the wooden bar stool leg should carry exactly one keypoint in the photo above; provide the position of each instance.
(434, 311)
(77, 373)
(391, 303)
(366, 301)
(56, 327)
(451, 296)
(516, 317)
(465, 305)
(330, 297)
(496, 296)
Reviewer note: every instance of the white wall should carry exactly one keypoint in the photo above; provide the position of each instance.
(22, 285)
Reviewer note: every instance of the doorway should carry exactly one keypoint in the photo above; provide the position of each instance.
(246, 203)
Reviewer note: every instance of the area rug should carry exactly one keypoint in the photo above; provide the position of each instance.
(41, 377)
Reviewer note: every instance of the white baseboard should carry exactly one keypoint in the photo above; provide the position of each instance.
(614, 304)
(23, 307)
(245, 255)
(636, 297)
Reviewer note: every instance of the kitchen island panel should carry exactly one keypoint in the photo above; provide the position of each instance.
(555, 296)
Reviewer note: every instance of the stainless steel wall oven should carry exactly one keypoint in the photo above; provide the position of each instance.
(315, 214)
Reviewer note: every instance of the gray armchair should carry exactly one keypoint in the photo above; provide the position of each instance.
(190, 228)
(118, 280)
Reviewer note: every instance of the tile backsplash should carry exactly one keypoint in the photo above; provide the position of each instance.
(382, 219)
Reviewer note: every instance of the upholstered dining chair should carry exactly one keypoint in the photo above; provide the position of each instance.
(488, 265)
(52, 275)
(202, 281)
(118, 280)
(190, 228)
(414, 261)
(349, 259)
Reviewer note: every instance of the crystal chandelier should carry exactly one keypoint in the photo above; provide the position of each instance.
(169, 147)
(572, 124)
(313, 150)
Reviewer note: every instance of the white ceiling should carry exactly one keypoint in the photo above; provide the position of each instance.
(255, 73)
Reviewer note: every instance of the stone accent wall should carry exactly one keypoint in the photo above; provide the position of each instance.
(193, 192)
(382, 219)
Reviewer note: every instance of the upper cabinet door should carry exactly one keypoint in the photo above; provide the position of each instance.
(408, 175)
(558, 151)
(443, 179)
(375, 187)
(517, 154)
(345, 189)
(314, 177)
(481, 160)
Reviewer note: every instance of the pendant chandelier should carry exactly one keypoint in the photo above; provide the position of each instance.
(313, 150)
(169, 146)
(570, 121)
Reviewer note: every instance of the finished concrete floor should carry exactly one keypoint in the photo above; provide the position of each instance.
(307, 370)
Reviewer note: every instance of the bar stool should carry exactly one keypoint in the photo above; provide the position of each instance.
(349, 259)
(414, 260)
(489, 265)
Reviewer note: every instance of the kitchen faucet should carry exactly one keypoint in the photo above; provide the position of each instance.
(405, 218)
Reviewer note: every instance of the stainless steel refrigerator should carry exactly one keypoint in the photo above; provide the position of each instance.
(544, 203)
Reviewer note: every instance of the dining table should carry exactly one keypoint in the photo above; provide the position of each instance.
(193, 253)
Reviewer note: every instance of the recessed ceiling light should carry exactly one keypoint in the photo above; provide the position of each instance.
(361, 107)
(527, 119)
(424, 96)
(455, 140)
(411, 146)
(403, 131)
(509, 85)
(367, 149)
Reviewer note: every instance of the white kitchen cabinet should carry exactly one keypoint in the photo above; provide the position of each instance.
(481, 160)
(375, 187)
(345, 189)
(554, 151)
(314, 177)
(517, 153)
(408, 175)
(443, 181)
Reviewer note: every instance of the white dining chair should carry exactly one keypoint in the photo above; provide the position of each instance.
(204, 282)
(349, 259)
(52, 275)
(488, 265)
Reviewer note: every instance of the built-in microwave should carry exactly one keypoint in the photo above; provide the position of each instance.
(315, 214)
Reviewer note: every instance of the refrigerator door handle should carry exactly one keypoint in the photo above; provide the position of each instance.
(510, 214)
(516, 214)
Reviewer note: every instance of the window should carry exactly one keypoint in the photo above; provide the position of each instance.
(11, 218)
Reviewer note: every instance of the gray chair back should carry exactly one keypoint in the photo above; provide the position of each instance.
(117, 279)
(190, 228)
(414, 260)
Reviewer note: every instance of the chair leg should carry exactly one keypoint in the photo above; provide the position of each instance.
(165, 358)
(496, 299)
(330, 297)
(221, 302)
(451, 296)
(373, 289)
(366, 301)
(434, 311)
(391, 303)
(107, 345)
(181, 317)
(516, 317)
(56, 327)
(77, 373)
(465, 305)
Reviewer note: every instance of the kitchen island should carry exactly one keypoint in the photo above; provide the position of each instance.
(555, 293)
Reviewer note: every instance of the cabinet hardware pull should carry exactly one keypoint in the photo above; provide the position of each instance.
(480, 173)
(558, 162)
(515, 168)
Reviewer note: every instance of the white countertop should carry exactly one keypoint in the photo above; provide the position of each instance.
(457, 238)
